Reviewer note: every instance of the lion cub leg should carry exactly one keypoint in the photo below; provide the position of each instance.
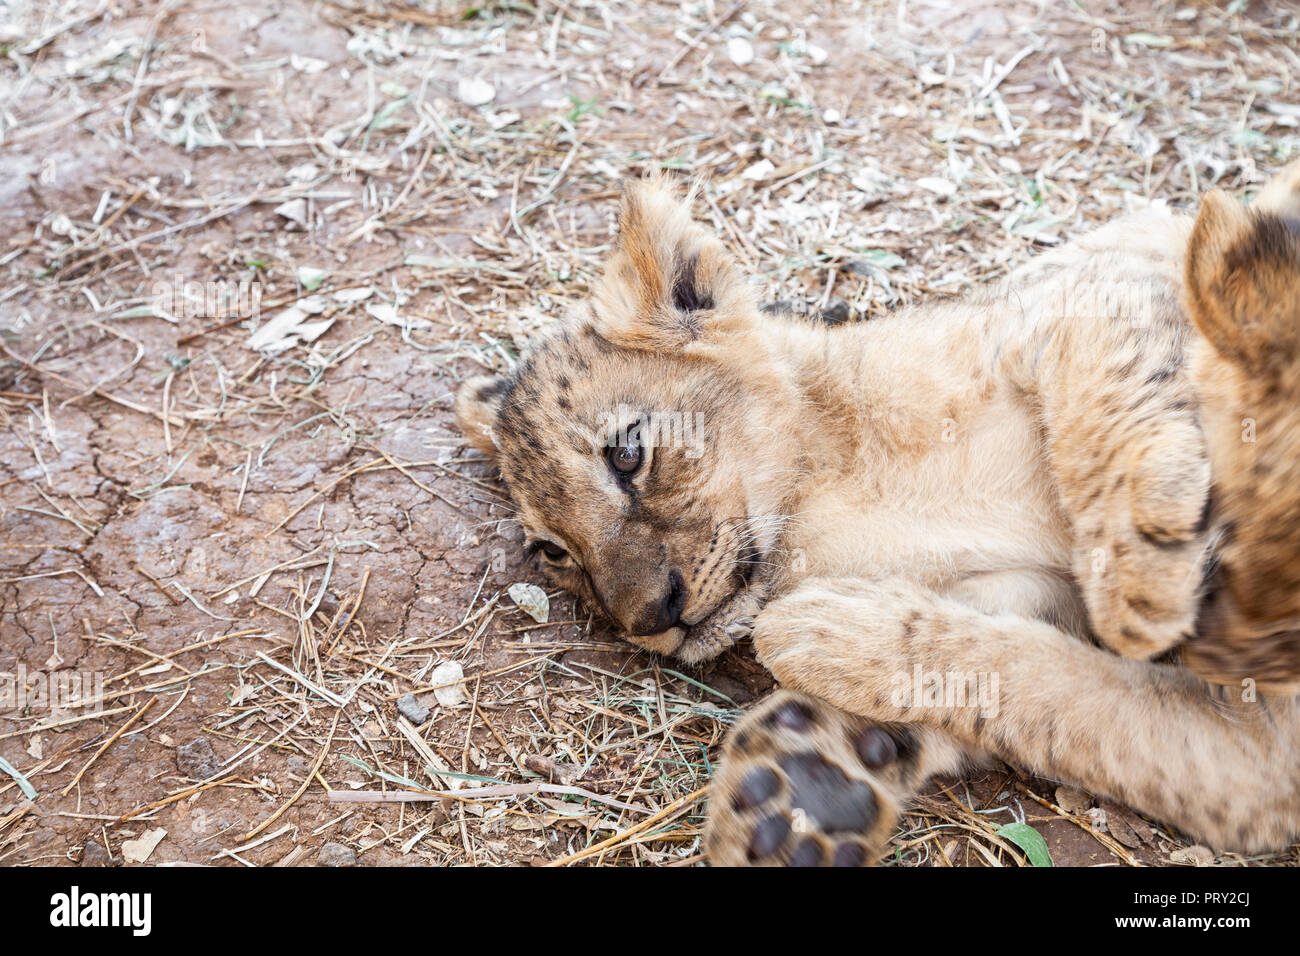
(803, 783)
(1153, 736)
(1133, 474)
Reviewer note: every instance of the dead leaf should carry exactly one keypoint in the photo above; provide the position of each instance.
(1071, 800)
(446, 673)
(287, 329)
(1126, 826)
(1119, 827)
(141, 848)
(532, 600)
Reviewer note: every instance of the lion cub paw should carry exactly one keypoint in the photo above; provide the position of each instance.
(804, 784)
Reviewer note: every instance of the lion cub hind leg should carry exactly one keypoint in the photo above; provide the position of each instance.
(803, 783)
(1243, 293)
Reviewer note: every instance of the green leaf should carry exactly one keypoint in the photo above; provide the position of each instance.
(883, 258)
(311, 277)
(384, 118)
(1029, 840)
(28, 790)
(390, 777)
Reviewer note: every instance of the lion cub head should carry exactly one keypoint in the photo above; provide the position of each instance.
(648, 439)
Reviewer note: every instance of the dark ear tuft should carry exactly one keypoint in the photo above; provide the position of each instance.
(668, 284)
(687, 296)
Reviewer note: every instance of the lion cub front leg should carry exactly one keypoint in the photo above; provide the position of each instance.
(804, 782)
(1122, 434)
(1153, 736)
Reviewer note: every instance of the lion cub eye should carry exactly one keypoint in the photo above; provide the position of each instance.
(554, 553)
(627, 457)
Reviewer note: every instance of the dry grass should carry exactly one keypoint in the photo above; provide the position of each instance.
(281, 544)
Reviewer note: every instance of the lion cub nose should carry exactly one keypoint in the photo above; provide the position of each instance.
(664, 613)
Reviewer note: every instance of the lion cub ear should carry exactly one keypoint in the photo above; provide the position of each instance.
(478, 402)
(1243, 275)
(668, 282)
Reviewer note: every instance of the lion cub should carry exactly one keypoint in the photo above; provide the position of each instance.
(1010, 526)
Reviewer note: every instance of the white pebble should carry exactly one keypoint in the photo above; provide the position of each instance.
(475, 92)
(740, 51)
(445, 673)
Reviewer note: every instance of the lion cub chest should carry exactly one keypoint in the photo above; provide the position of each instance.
(976, 499)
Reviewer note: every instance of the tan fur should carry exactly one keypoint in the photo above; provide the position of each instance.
(1000, 486)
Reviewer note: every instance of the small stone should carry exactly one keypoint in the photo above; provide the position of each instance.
(311, 279)
(452, 674)
(938, 185)
(93, 854)
(197, 759)
(740, 51)
(336, 854)
(532, 600)
(475, 92)
(412, 709)
(298, 766)
(141, 848)
(295, 210)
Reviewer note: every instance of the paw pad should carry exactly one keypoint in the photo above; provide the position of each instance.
(808, 852)
(826, 794)
(876, 748)
(769, 836)
(803, 784)
(758, 786)
(792, 715)
(849, 854)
